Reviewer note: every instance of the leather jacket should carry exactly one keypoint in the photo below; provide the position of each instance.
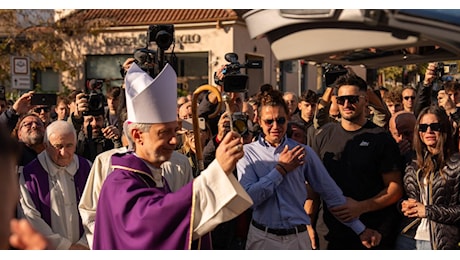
(443, 207)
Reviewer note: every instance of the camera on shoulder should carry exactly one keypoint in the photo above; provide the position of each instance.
(445, 71)
(332, 72)
(233, 80)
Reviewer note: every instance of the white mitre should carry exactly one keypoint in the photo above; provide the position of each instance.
(151, 100)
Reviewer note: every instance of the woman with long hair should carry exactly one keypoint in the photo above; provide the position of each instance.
(432, 183)
(189, 146)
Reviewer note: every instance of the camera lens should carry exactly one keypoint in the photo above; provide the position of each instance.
(95, 104)
(164, 39)
(240, 123)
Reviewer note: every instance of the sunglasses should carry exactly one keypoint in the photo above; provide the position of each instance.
(39, 109)
(351, 99)
(409, 97)
(433, 126)
(279, 121)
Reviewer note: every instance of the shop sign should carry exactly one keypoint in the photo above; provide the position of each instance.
(140, 41)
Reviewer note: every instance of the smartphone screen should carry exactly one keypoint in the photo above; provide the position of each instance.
(43, 99)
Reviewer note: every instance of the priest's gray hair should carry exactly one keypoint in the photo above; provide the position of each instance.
(143, 127)
(59, 127)
(126, 133)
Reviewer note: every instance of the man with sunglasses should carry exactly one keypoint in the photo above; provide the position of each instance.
(44, 112)
(408, 99)
(364, 161)
(274, 172)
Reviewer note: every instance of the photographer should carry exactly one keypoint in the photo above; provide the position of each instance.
(445, 97)
(232, 234)
(425, 91)
(93, 137)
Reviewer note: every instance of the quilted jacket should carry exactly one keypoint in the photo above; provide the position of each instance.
(443, 207)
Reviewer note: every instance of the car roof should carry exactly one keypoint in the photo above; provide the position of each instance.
(372, 38)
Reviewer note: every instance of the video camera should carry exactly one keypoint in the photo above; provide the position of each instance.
(95, 97)
(145, 59)
(439, 70)
(162, 34)
(233, 80)
(151, 61)
(442, 70)
(332, 72)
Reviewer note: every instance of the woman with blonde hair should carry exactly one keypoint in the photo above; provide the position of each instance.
(189, 146)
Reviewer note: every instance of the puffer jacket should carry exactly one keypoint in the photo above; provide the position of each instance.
(443, 209)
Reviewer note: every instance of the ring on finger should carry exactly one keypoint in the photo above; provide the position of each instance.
(239, 148)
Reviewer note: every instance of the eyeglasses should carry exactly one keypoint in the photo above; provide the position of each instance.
(29, 124)
(433, 126)
(279, 121)
(39, 109)
(409, 97)
(351, 99)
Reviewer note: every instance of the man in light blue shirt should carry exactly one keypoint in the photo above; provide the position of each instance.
(274, 172)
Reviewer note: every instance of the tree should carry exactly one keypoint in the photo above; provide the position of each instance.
(49, 43)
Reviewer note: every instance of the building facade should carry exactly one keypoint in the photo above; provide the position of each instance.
(201, 40)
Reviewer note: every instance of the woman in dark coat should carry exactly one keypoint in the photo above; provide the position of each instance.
(432, 183)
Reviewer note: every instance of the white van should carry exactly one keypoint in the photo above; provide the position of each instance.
(373, 38)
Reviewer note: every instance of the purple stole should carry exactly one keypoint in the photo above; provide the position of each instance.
(37, 183)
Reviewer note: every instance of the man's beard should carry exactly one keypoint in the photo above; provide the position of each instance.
(34, 138)
(354, 117)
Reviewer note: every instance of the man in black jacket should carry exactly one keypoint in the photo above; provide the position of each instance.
(93, 137)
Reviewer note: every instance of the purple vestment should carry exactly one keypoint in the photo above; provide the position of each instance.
(133, 214)
(37, 183)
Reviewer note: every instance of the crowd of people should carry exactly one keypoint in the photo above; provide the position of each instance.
(353, 167)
